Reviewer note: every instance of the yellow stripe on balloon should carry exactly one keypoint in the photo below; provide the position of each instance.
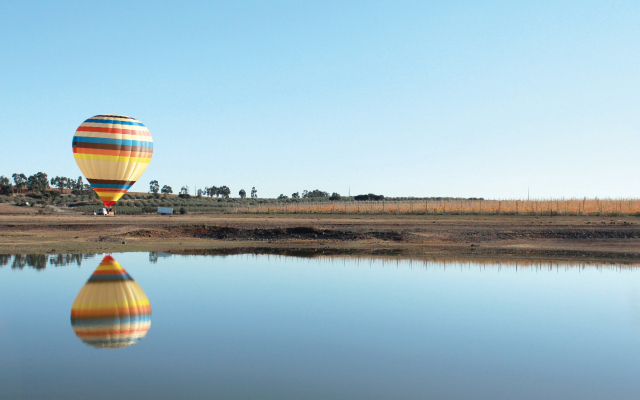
(109, 197)
(128, 303)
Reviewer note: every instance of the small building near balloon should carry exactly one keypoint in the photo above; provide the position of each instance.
(165, 211)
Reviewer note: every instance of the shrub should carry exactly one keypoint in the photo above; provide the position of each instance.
(183, 210)
(6, 190)
(370, 196)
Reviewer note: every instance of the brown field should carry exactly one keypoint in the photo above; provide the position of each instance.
(491, 238)
(456, 207)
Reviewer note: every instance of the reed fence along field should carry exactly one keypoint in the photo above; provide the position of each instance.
(452, 207)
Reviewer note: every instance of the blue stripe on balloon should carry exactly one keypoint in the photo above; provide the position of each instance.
(122, 142)
(110, 186)
(113, 121)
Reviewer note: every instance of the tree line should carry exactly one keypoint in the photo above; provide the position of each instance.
(225, 192)
(39, 182)
(217, 191)
(320, 194)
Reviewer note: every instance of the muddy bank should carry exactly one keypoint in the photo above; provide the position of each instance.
(216, 232)
(490, 237)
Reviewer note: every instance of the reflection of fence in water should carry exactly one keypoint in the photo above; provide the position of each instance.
(493, 264)
(452, 263)
(434, 262)
(523, 207)
(40, 261)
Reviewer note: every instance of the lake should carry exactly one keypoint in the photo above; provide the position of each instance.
(270, 327)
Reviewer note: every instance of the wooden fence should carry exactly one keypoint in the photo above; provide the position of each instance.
(514, 207)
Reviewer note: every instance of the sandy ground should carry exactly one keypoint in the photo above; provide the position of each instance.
(592, 239)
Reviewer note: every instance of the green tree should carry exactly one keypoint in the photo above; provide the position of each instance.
(335, 196)
(283, 197)
(20, 181)
(296, 195)
(38, 181)
(243, 194)
(6, 190)
(59, 182)
(314, 194)
(224, 191)
(166, 189)
(4, 180)
(184, 192)
(254, 193)
(213, 191)
(71, 183)
(154, 187)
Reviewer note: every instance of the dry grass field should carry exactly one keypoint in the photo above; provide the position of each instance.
(612, 207)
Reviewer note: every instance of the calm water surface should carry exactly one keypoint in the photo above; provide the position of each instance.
(246, 327)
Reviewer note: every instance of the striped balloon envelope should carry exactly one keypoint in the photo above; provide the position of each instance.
(112, 152)
(111, 310)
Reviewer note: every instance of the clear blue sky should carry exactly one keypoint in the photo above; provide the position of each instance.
(400, 98)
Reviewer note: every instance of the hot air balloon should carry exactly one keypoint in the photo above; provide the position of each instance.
(112, 152)
(111, 310)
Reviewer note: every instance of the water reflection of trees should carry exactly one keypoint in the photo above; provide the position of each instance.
(41, 261)
(19, 261)
(4, 259)
(60, 260)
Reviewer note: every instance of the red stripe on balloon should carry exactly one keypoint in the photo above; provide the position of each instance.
(112, 130)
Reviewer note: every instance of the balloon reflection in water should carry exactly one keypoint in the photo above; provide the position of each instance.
(111, 310)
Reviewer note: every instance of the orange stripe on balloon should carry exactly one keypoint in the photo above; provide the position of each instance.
(112, 332)
(105, 152)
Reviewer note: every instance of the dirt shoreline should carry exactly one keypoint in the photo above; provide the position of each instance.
(491, 237)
